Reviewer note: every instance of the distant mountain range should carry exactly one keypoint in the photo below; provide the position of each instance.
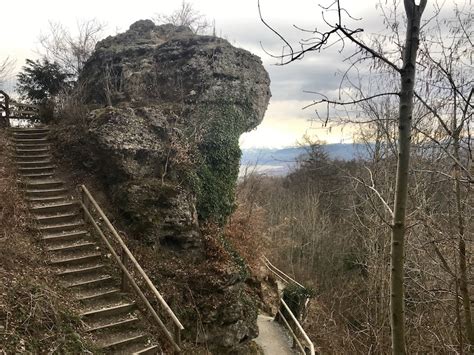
(281, 161)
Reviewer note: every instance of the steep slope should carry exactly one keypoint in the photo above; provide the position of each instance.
(109, 314)
(35, 316)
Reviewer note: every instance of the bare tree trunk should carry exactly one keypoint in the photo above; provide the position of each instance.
(458, 312)
(397, 316)
(466, 301)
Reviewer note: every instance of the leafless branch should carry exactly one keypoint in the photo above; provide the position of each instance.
(342, 103)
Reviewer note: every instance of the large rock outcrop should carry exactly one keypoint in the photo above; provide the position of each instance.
(177, 104)
(166, 110)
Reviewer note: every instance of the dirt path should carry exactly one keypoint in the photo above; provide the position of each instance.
(272, 338)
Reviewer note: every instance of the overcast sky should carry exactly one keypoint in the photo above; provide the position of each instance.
(285, 121)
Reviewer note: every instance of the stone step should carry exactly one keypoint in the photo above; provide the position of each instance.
(122, 339)
(29, 130)
(96, 294)
(113, 310)
(48, 199)
(28, 133)
(55, 207)
(32, 145)
(37, 192)
(37, 175)
(35, 137)
(36, 129)
(32, 158)
(81, 270)
(112, 323)
(38, 163)
(73, 246)
(64, 228)
(45, 184)
(32, 151)
(65, 236)
(56, 218)
(31, 169)
(30, 140)
(76, 259)
(89, 282)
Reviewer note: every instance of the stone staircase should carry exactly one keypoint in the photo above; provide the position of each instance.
(110, 316)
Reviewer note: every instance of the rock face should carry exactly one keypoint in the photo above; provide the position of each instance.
(166, 110)
(177, 105)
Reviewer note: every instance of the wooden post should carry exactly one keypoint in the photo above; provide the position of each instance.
(6, 108)
(177, 335)
(123, 284)
(83, 200)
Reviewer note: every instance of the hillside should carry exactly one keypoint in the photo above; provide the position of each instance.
(281, 161)
(36, 315)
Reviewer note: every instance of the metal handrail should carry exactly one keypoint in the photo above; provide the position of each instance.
(288, 280)
(87, 196)
(280, 274)
(300, 328)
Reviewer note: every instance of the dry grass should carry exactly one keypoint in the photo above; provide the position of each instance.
(35, 316)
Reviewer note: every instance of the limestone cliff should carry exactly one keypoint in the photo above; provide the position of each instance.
(166, 110)
(178, 103)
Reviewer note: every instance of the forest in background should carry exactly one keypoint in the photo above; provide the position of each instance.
(325, 224)
(389, 237)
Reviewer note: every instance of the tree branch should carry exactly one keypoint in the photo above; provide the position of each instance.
(343, 103)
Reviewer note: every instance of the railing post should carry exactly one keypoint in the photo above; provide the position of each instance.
(83, 201)
(177, 335)
(123, 284)
(7, 108)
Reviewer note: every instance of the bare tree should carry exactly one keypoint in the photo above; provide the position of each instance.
(340, 33)
(448, 97)
(7, 65)
(186, 15)
(71, 50)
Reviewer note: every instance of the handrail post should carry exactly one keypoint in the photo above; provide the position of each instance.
(83, 200)
(7, 108)
(123, 284)
(177, 335)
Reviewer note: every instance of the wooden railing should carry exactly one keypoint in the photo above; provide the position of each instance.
(10, 108)
(302, 337)
(124, 258)
(23, 111)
